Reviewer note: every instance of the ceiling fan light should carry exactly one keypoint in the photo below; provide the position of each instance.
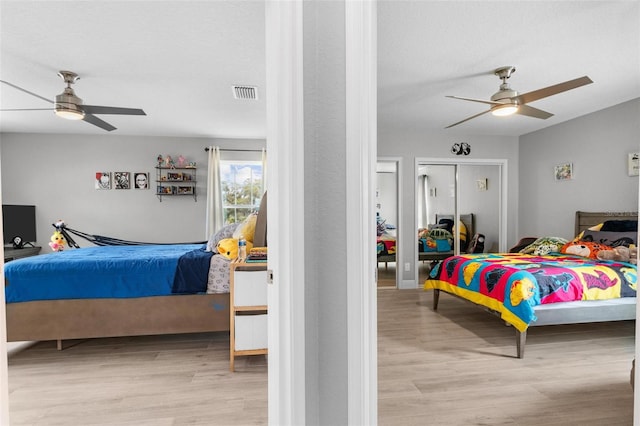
(69, 114)
(504, 110)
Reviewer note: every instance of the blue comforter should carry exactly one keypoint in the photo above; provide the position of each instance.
(109, 272)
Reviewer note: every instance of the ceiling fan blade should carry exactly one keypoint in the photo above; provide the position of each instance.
(467, 119)
(26, 91)
(533, 112)
(525, 98)
(474, 100)
(27, 109)
(96, 109)
(98, 122)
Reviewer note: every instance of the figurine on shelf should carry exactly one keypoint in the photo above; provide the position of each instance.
(191, 165)
(160, 160)
(168, 161)
(181, 161)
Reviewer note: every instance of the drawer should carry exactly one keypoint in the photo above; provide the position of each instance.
(249, 288)
(250, 332)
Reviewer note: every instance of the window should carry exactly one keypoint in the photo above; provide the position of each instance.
(242, 189)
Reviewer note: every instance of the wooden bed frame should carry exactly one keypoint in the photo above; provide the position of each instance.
(581, 311)
(91, 318)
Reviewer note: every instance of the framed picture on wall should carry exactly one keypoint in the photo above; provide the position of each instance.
(122, 180)
(141, 180)
(103, 180)
(564, 171)
(633, 164)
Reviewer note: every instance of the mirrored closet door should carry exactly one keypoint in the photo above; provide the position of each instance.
(457, 201)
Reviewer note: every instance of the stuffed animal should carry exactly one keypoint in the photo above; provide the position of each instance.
(583, 248)
(57, 241)
(228, 247)
(620, 254)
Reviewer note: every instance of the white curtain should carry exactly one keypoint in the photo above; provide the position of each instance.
(264, 170)
(214, 219)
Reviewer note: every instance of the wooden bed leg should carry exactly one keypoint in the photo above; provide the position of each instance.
(59, 344)
(436, 297)
(521, 338)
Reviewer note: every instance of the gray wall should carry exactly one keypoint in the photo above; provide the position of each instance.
(411, 144)
(597, 144)
(56, 173)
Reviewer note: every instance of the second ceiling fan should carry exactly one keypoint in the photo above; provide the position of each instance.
(507, 101)
(68, 105)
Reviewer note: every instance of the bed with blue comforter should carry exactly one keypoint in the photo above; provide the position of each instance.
(109, 272)
(113, 291)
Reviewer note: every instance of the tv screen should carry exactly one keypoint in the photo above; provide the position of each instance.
(19, 221)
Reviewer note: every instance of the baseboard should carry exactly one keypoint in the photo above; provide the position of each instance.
(407, 284)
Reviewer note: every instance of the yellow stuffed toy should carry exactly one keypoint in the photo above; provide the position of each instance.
(228, 247)
(57, 241)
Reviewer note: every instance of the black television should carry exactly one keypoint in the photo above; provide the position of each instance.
(18, 221)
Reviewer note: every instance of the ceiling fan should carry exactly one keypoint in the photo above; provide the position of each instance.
(507, 101)
(68, 105)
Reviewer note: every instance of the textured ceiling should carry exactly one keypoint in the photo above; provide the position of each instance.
(179, 59)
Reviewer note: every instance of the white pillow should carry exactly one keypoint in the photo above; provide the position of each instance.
(224, 232)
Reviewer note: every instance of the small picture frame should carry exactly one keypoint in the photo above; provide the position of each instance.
(185, 190)
(103, 180)
(633, 164)
(563, 171)
(122, 180)
(141, 180)
(481, 184)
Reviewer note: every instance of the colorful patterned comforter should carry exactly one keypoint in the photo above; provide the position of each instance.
(514, 283)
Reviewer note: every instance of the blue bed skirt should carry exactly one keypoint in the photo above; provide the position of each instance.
(108, 272)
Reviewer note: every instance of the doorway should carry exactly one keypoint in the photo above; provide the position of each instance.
(388, 222)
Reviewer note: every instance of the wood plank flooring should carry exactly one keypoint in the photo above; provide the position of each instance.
(456, 366)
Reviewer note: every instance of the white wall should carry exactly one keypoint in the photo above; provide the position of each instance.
(597, 144)
(56, 173)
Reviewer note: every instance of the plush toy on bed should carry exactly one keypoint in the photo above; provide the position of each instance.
(57, 241)
(228, 247)
(583, 248)
(620, 254)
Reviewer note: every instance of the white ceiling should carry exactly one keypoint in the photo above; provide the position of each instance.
(178, 60)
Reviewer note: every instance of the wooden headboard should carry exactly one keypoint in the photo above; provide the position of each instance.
(586, 220)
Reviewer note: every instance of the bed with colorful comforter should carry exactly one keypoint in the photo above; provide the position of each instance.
(513, 284)
(527, 290)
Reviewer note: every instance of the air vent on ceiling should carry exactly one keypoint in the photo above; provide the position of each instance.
(245, 92)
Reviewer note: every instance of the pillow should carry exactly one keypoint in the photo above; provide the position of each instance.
(544, 245)
(247, 228)
(584, 248)
(612, 239)
(224, 232)
(620, 226)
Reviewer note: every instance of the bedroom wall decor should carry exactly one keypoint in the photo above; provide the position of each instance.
(461, 148)
(103, 180)
(481, 184)
(141, 180)
(122, 180)
(633, 164)
(563, 171)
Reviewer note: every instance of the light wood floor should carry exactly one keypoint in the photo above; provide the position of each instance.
(453, 367)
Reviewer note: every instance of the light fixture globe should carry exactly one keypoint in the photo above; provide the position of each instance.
(68, 105)
(504, 110)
